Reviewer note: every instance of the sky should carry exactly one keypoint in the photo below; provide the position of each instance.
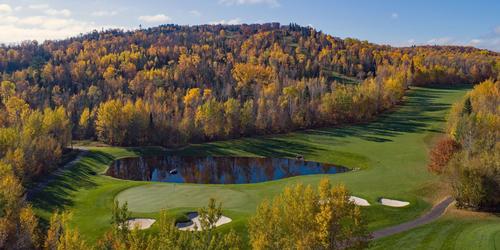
(394, 22)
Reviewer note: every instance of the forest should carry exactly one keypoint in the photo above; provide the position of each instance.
(172, 85)
(175, 84)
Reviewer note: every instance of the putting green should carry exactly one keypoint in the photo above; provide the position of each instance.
(159, 197)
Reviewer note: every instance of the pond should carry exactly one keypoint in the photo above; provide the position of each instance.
(215, 170)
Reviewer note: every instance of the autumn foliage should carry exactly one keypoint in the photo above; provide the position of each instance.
(473, 171)
(171, 85)
(441, 154)
(304, 218)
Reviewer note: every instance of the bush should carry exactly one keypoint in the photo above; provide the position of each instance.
(476, 181)
(441, 154)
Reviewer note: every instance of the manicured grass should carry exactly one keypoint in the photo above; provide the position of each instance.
(456, 230)
(87, 193)
(391, 153)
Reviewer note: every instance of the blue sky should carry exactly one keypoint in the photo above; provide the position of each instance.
(399, 23)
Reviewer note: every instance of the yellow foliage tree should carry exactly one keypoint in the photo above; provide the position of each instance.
(304, 218)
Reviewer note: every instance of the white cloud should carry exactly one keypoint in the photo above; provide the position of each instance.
(15, 28)
(38, 6)
(18, 8)
(5, 9)
(31, 21)
(227, 22)
(491, 43)
(54, 12)
(54, 29)
(441, 41)
(155, 18)
(10, 19)
(195, 13)
(394, 15)
(475, 41)
(102, 13)
(271, 3)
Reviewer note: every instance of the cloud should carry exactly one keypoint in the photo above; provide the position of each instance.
(270, 3)
(38, 6)
(394, 15)
(227, 22)
(45, 8)
(5, 9)
(43, 29)
(490, 41)
(155, 18)
(475, 41)
(102, 13)
(195, 13)
(441, 41)
(54, 12)
(47, 24)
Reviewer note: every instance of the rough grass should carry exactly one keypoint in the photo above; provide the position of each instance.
(391, 153)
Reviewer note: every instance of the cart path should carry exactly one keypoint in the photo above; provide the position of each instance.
(430, 216)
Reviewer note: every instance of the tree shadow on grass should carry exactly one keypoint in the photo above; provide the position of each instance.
(414, 116)
(60, 191)
(263, 146)
(62, 185)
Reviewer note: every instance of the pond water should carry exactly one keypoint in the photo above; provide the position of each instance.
(215, 170)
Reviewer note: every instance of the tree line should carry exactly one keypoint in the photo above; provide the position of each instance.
(469, 156)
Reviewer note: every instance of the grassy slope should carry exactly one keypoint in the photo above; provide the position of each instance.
(391, 151)
(456, 230)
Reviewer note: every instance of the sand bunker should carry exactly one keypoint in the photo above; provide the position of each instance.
(195, 220)
(393, 203)
(359, 201)
(140, 223)
(356, 200)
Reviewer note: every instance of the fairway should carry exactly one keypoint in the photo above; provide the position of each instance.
(388, 157)
(456, 230)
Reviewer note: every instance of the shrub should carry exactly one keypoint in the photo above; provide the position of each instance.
(441, 154)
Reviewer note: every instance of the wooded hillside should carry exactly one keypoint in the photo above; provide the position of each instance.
(175, 84)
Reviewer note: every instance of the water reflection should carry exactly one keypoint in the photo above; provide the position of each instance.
(215, 170)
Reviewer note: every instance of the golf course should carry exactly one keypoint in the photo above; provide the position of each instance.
(387, 158)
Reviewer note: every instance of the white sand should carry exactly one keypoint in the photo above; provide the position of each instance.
(195, 220)
(359, 201)
(393, 203)
(140, 223)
